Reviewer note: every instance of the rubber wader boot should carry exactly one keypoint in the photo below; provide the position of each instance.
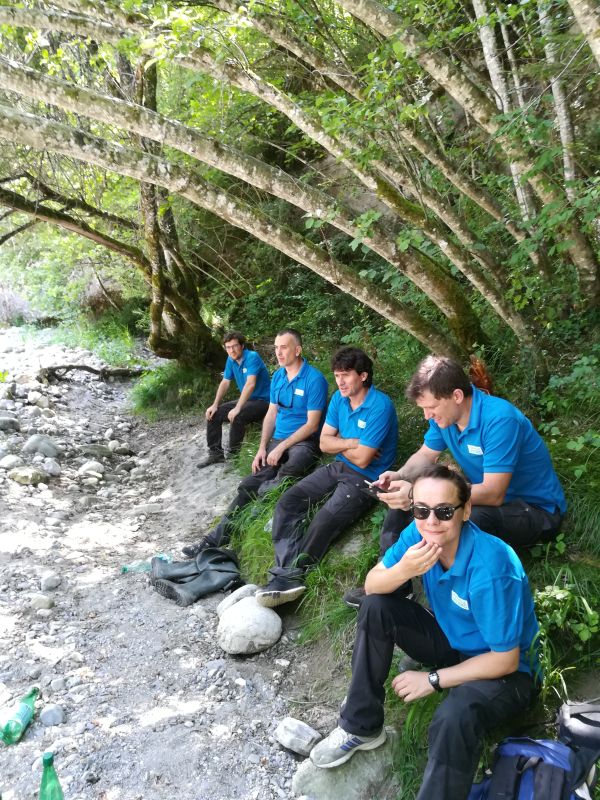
(193, 589)
(172, 572)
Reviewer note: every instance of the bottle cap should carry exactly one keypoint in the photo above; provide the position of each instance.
(48, 759)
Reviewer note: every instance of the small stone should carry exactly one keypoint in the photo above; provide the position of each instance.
(52, 467)
(41, 601)
(27, 476)
(57, 684)
(39, 443)
(9, 423)
(296, 736)
(11, 462)
(93, 468)
(50, 581)
(52, 715)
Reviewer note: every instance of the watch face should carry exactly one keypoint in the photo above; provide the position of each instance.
(434, 680)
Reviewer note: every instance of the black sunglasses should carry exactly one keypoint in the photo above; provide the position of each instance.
(290, 395)
(442, 512)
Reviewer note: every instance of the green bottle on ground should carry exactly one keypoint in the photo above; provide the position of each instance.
(50, 788)
(13, 725)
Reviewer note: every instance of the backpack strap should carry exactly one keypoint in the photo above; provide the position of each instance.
(581, 708)
(550, 783)
(505, 779)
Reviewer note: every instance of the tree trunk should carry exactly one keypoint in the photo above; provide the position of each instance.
(588, 18)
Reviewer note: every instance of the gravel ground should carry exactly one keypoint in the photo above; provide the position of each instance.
(146, 702)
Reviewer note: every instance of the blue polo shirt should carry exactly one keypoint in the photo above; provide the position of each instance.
(499, 438)
(250, 364)
(483, 602)
(374, 424)
(307, 391)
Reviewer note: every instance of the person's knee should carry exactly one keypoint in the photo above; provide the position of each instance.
(374, 615)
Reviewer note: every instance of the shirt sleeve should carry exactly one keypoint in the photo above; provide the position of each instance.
(379, 422)
(333, 416)
(502, 439)
(433, 437)
(228, 372)
(317, 393)
(497, 607)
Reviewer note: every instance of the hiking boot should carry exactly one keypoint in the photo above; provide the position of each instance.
(193, 550)
(173, 572)
(279, 591)
(340, 746)
(213, 457)
(354, 597)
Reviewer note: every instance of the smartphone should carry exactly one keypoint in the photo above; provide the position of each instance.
(373, 490)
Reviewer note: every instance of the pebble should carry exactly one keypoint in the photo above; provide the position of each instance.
(41, 601)
(52, 715)
(50, 581)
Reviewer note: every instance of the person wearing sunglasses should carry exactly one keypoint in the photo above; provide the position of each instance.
(479, 640)
(516, 493)
(247, 368)
(289, 443)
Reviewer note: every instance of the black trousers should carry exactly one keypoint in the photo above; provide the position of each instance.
(253, 411)
(517, 523)
(296, 549)
(297, 460)
(461, 721)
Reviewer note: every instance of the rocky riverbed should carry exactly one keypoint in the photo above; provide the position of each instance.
(137, 698)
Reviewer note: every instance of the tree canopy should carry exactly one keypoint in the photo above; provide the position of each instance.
(437, 162)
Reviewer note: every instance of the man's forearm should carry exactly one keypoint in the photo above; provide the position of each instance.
(245, 394)
(333, 444)
(412, 467)
(222, 389)
(268, 427)
(485, 666)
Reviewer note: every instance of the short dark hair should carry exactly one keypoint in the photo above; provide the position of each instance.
(442, 472)
(291, 332)
(439, 375)
(231, 335)
(348, 358)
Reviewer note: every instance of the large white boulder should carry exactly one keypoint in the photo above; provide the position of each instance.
(247, 628)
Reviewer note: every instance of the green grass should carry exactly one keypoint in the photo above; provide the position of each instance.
(172, 389)
(110, 340)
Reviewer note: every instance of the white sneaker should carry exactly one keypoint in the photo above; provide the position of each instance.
(340, 746)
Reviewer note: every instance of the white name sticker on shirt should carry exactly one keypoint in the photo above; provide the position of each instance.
(362, 423)
(459, 601)
(299, 392)
(244, 369)
(474, 449)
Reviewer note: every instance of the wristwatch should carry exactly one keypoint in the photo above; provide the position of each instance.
(434, 680)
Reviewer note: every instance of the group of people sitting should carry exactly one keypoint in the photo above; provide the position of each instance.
(454, 530)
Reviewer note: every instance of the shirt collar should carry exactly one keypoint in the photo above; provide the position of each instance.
(475, 415)
(366, 403)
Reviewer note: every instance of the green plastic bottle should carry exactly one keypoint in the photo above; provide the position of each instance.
(50, 788)
(13, 726)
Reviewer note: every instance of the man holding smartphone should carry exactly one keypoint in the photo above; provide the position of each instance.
(516, 493)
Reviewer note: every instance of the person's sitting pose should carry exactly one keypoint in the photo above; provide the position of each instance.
(479, 639)
(361, 430)
(516, 494)
(289, 444)
(253, 381)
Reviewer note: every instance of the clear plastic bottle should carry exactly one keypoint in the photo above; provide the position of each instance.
(50, 788)
(144, 565)
(16, 720)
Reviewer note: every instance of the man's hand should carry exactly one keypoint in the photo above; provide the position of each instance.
(412, 685)
(210, 411)
(233, 413)
(275, 455)
(420, 557)
(397, 495)
(385, 478)
(260, 460)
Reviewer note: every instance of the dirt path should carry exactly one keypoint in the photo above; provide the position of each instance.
(152, 707)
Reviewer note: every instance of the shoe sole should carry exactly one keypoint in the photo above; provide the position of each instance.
(347, 756)
(274, 599)
(165, 589)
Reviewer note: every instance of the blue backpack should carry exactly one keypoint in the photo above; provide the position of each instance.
(538, 769)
